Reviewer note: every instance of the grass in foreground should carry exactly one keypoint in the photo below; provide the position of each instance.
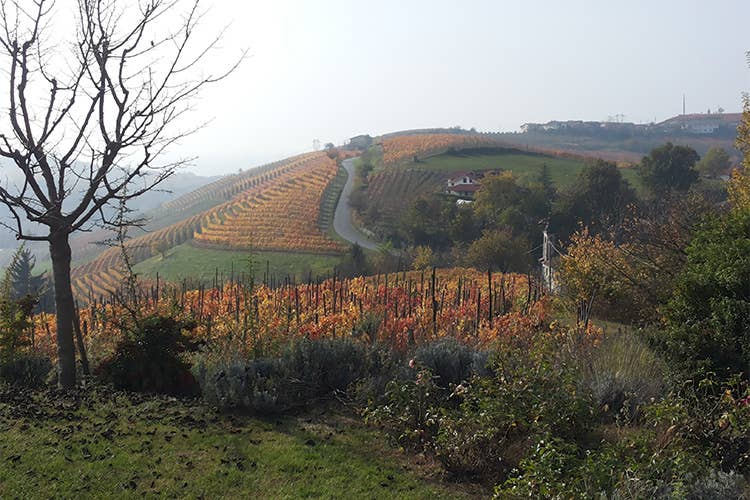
(103, 445)
(201, 264)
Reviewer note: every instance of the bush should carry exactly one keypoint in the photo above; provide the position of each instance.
(411, 410)
(367, 327)
(712, 416)
(304, 371)
(623, 374)
(25, 370)
(253, 385)
(708, 317)
(315, 368)
(149, 359)
(718, 485)
(450, 361)
(411, 403)
(633, 467)
(532, 392)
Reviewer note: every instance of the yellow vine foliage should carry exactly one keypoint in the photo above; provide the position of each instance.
(739, 184)
(583, 271)
(406, 147)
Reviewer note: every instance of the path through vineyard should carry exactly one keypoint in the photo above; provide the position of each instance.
(342, 218)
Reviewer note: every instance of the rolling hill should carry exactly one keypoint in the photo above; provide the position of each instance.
(284, 209)
(272, 208)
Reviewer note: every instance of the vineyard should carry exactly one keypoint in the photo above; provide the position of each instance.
(403, 148)
(330, 199)
(390, 192)
(268, 209)
(282, 214)
(401, 310)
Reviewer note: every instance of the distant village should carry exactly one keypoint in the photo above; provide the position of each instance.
(698, 124)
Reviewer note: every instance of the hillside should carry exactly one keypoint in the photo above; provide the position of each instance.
(273, 208)
(406, 167)
(617, 148)
(283, 211)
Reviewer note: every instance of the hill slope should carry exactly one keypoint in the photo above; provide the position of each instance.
(273, 208)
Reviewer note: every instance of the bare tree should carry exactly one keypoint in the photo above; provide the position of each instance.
(89, 116)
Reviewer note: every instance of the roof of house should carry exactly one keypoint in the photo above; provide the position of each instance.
(466, 188)
(459, 175)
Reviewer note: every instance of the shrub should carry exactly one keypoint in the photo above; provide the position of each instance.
(708, 317)
(26, 370)
(623, 374)
(411, 410)
(718, 485)
(18, 365)
(304, 371)
(315, 368)
(253, 385)
(532, 392)
(450, 361)
(712, 416)
(633, 467)
(149, 358)
(383, 367)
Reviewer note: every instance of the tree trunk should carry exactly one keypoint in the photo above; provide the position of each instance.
(59, 250)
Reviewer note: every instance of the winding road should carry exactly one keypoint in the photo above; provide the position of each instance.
(342, 218)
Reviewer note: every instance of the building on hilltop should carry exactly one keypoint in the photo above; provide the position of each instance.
(724, 124)
(702, 124)
(463, 184)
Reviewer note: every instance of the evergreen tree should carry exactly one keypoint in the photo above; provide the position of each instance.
(20, 282)
(20, 278)
(545, 180)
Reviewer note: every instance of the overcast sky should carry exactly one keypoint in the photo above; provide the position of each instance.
(333, 69)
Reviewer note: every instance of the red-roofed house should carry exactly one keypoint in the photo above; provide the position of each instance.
(463, 184)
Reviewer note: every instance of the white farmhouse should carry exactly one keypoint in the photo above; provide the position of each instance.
(463, 184)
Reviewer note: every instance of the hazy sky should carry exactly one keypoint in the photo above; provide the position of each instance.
(334, 69)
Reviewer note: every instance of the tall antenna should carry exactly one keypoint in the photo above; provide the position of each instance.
(683, 104)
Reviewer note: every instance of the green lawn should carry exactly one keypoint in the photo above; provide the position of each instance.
(525, 166)
(201, 264)
(95, 444)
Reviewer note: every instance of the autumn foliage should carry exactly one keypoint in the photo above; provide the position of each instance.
(281, 214)
(406, 147)
(739, 185)
(275, 207)
(400, 310)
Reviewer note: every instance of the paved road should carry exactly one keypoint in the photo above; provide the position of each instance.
(342, 218)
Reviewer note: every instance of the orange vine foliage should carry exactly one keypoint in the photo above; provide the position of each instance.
(409, 308)
(406, 147)
(281, 214)
(275, 207)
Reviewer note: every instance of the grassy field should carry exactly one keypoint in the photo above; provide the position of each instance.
(201, 264)
(95, 444)
(562, 170)
(526, 167)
